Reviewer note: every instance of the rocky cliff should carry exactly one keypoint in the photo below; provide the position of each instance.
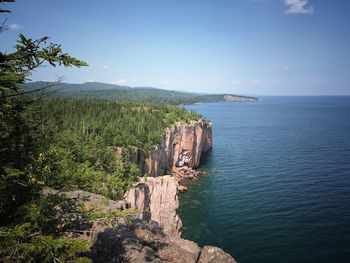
(181, 149)
(182, 146)
(157, 199)
(141, 241)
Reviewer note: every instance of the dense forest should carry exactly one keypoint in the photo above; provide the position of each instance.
(103, 91)
(112, 123)
(83, 135)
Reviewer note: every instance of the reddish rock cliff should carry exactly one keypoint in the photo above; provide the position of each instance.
(180, 150)
(157, 199)
(182, 146)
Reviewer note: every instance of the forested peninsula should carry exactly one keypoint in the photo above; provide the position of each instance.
(112, 92)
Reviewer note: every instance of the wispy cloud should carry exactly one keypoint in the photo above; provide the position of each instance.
(236, 82)
(121, 82)
(104, 67)
(298, 7)
(14, 27)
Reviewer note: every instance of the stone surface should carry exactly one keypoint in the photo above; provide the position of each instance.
(142, 241)
(137, 240)
(90, 200)
(184, 172)
(182, 145)
(182, 188)
(214, 255)
(157, 199)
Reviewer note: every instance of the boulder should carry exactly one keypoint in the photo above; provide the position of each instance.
(214, 255)
(182, 188)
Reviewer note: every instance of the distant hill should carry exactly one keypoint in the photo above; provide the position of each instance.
(104, 91)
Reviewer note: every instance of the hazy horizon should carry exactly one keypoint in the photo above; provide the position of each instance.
(246, 47)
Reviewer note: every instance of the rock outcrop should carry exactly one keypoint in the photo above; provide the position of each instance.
(182, 146)
(181, 149)
(89, 200)
(142, 241)
(211, 254)
(157, 199)
(135, 240)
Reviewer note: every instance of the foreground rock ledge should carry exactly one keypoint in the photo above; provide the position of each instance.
(137, 240)
(157, 199)
(145, 241)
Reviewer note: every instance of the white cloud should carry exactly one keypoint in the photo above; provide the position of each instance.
(286, 67)
(91, 80)
(298, 7)
(236, 82)
(14, 27)
(104, 67)
(120, 81)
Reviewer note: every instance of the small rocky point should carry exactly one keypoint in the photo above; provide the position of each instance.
(145, 241)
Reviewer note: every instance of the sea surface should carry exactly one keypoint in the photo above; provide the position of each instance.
(278, 188)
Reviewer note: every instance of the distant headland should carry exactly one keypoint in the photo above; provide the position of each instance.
(106, 91)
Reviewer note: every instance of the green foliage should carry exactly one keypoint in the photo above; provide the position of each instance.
(110, 217)
(38, 235)
(110, 92)
(105, 123)
(83, 136)
(20, 138)
(29, 223)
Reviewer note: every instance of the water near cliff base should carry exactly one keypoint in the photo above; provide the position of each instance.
(278, 188)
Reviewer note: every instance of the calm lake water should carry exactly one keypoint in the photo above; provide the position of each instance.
(278, 188)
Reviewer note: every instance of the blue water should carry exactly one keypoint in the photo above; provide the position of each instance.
(278, 188)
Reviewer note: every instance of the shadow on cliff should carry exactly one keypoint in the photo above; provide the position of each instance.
(206, 159)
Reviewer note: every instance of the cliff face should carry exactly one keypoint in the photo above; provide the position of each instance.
(180, 151)
(182, 146)
(157, 199)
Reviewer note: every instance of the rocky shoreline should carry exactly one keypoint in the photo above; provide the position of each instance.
(149, 233)
(152, 231)
(156, 197)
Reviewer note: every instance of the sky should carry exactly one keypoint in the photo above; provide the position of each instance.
(248, 47)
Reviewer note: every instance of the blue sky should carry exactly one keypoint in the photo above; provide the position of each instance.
(252, 47)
